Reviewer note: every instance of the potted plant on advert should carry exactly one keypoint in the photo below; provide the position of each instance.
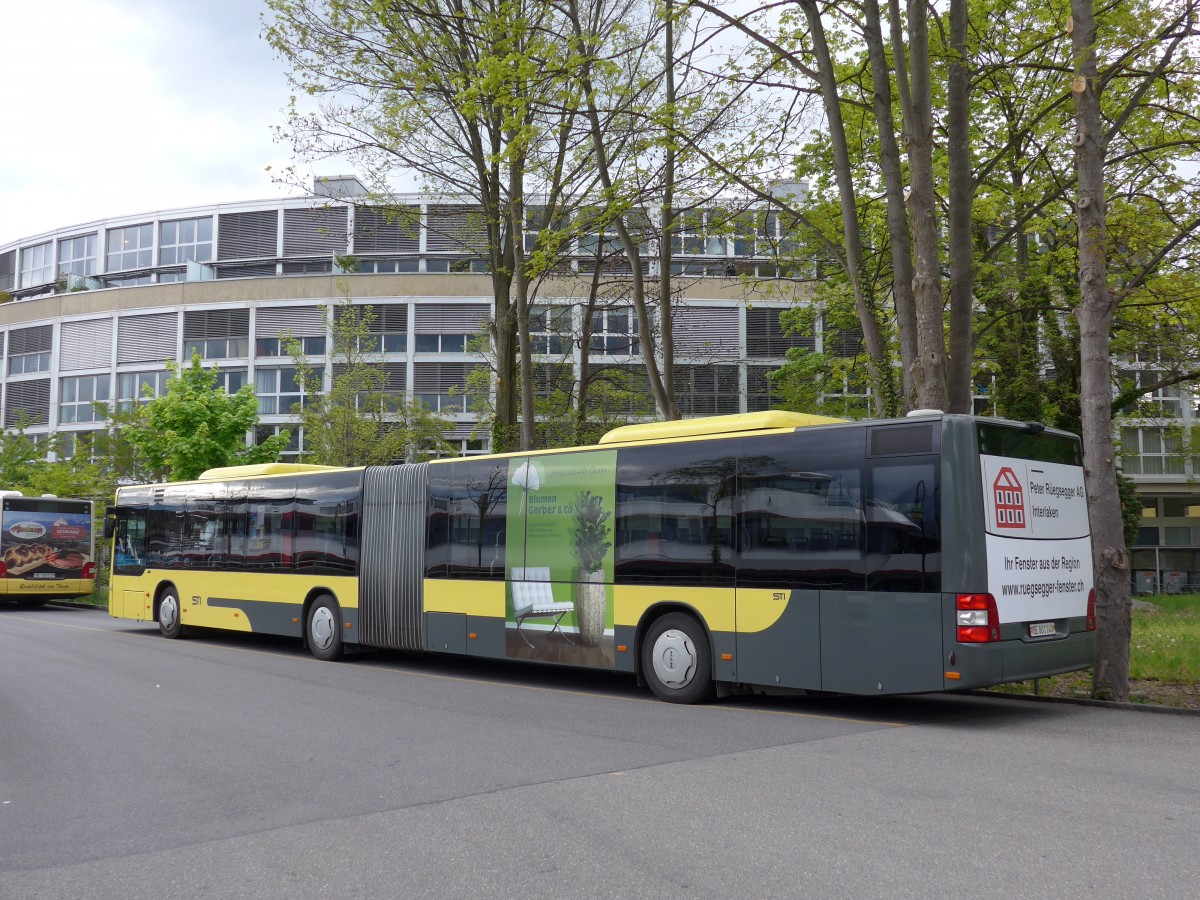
(591, 546)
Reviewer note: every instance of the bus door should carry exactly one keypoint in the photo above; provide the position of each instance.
(800, 533)
(888, 637)
(561, 512)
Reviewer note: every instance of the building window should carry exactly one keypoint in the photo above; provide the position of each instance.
(278, 391)
(311, 346)
(130, 248)
(614, 331)
(172, 277)
(82, 444)
(140, 387)
(295, 444)
(386, 326)
(384, 342)
(1151, 451)
(77, 255)
(185, 239)
(132, 281)
(231, 380)
(78, 397)
(457, 446)
(691, 237)
(441, 386)
(550, 330)
(389, 266)
(1162, 402)
(24, 363)
(440, 343)
(218, 348)
(37, 264)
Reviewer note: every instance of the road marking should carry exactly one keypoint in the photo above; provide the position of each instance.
(462, 679)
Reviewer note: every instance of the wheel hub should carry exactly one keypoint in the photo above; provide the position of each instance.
(674, 659)
(322, 628)
(168, 612)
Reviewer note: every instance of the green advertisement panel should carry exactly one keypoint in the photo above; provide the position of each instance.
(560, 526)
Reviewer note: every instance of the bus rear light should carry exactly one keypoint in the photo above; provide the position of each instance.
(3, 570)
(1091, 610)
(89, 570)
(978, 619)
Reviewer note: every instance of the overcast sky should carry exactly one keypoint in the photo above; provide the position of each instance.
(114, 107)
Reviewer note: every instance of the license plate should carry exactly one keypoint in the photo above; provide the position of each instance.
(1041, 629)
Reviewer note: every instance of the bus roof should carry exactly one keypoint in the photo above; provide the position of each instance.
(714, 425)
(225, 472)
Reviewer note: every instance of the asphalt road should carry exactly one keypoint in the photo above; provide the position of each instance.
(237, 766)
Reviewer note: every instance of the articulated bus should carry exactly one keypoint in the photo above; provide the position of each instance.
(46, 548)
(764, 551)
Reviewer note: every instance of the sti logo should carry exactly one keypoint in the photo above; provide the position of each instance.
(1009, 498)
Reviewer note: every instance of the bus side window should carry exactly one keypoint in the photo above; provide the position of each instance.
(478, 509)
(437, 533)
(327, 515)
(674, 510)
(800, 519)
(903, 530)
(130, 542)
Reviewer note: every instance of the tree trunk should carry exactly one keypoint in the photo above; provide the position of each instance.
(1110, 678)
(930, 372)
(636, 263)
(899, 238)
(667, 229)
(878, 358)
(520, 282)
(961, 199)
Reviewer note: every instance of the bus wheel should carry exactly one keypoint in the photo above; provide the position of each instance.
(170, 623)
(676, 660)
(325, 628)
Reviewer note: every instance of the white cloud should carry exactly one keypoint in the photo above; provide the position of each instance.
(125, 107)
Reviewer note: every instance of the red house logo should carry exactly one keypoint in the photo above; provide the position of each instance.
(1009, 500)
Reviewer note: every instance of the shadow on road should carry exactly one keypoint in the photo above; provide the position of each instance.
(923, 709)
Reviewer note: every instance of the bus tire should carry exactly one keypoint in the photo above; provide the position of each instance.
(170, 618)
(677, 660)
(324, 630)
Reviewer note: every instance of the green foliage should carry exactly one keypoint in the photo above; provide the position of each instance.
(359, 421)
(591, 531)
(195, 426)
(832, 382)
(20, 457)
(1131, 508)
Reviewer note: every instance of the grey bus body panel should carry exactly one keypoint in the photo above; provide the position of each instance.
(489, 636)
(881, 643)
(788, 653)
(964, 546)
(446, 633)
(391, 586)
(626, 636)
(264, 617)
(1016, 660)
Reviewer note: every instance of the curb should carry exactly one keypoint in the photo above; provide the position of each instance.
(1096, 704)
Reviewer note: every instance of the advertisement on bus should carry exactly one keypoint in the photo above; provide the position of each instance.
(45, 540)
(1038, 545)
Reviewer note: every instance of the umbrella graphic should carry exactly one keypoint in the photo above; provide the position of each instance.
(527, 478)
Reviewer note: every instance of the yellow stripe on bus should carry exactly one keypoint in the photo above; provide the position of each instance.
(474, 598)
(758, 609)
(715, 605)
(755, 609)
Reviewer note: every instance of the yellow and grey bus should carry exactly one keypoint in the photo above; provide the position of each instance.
(46, 548)
(762, 551)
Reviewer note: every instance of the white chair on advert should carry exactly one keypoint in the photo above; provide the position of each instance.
(534, 599)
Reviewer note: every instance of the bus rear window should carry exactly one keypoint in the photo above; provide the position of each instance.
(1017, 443)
